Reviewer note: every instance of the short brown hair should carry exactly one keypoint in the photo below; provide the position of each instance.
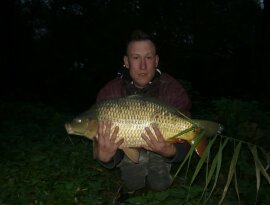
(139, 35)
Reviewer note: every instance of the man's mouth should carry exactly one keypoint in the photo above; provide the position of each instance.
(142, 74)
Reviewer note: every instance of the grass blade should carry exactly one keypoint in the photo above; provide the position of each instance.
(231, 170)
(254, 152)
(236, 187)
(203, 158)
(267, 158)
(218, 161)
(258, 163)
(189, 154)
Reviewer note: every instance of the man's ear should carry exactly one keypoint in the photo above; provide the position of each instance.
(157, 60)
(125, 59)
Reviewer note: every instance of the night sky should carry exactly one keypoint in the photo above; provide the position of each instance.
(55, 55)
(59, 51)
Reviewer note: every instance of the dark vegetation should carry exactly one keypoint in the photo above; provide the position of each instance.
(41, 164)
(55, 56)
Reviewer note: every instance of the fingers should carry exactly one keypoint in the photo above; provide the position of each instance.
(119, 142)
(104, 129)
(158, 134)
(155, 137)
(106, 135)
(156, 142)
(100, 131)
(147, 147)
(150, 135)
(147, 140)
(108, 126)
(150, 139)
(114, 134)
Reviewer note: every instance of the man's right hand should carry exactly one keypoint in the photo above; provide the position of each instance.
(106, 144)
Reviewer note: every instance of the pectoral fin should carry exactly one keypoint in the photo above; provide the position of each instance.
(175, 141)
(132, 153)
(91, 130)
(200, 148)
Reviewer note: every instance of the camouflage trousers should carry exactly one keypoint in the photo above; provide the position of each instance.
(152, 169)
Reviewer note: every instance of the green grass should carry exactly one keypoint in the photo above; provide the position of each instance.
(41, 164)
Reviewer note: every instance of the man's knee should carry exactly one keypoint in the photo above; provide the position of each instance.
(160, 185)
(133, 184)
(159, 179)
(133, 177)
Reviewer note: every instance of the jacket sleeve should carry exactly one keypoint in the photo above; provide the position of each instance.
(113, 89)
(181, 152)
(172, 92)
(114, 161)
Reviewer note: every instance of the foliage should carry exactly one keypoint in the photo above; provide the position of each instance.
(243, 120)
(41, 164)
(233, 114)
(57, 48)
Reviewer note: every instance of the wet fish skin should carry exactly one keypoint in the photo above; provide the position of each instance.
(132, 114)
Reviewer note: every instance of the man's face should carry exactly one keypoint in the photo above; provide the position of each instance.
(141, 60)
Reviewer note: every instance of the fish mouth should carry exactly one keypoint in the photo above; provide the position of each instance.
(68, 128)
(70, 131)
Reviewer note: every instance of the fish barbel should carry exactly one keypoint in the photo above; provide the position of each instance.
(132, 115)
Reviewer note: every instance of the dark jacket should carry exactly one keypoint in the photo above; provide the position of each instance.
(163, 87)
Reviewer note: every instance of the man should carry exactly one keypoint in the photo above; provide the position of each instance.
(141, 76)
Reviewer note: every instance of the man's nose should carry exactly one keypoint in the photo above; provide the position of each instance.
(143, 64)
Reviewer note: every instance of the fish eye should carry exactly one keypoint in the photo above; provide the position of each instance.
(79, 120)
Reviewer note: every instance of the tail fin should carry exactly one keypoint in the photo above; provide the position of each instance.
(210, 129)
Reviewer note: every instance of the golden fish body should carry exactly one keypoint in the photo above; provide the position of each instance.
(132, 115)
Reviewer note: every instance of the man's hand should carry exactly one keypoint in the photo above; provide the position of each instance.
(156, 142)
(106, 145)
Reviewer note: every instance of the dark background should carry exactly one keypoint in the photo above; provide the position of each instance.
(64, 51)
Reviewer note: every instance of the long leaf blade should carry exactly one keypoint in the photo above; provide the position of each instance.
(254, 152)
(259, 164)
(189, 154)
(231, 170)
(219, 161)
(267, 158)
(202, 160)
(236, 186)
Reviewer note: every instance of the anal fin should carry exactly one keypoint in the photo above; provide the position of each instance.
(132, 153)
(201, 146)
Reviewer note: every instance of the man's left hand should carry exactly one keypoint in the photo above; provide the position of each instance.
(156, 142)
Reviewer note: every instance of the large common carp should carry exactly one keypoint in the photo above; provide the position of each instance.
(132, 114)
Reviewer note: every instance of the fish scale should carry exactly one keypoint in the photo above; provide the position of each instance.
(132, 115)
